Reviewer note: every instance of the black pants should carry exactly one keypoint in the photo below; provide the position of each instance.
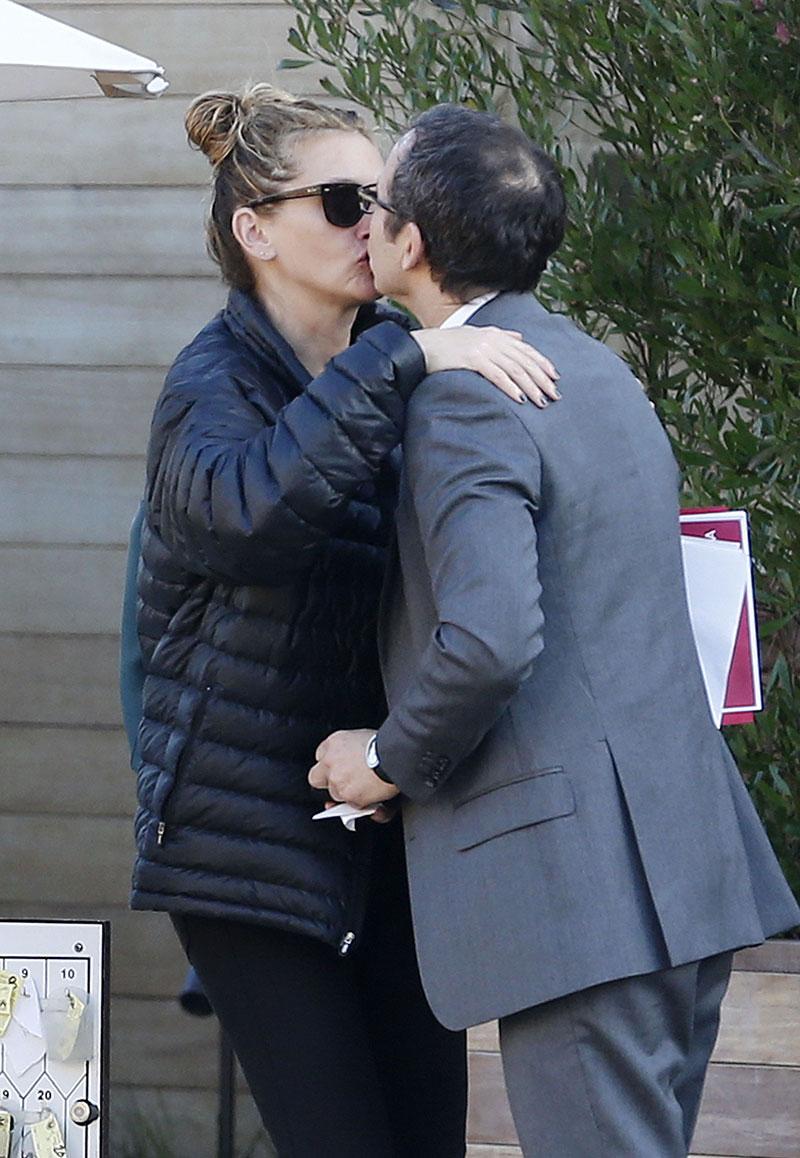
(343, 1057)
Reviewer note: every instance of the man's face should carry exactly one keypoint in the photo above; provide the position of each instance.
(385, 252)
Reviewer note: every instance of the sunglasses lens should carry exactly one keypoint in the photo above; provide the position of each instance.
(341, 205)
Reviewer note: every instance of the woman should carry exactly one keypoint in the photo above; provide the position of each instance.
(270, 490)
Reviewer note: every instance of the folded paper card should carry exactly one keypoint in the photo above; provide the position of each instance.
(346, 813)
(716, 550)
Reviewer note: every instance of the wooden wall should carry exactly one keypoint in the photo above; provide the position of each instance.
(103, 277)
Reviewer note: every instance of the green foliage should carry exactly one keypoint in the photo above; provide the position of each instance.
(678, 125)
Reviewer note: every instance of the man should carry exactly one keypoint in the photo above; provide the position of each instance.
(582, 853)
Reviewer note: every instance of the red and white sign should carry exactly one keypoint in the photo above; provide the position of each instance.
(742, 695)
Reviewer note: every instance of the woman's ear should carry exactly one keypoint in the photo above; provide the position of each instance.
(413, 247)
(252, 233)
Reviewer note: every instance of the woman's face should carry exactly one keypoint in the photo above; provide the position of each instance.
(327, 261)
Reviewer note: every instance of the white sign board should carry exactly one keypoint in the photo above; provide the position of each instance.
(54, 990)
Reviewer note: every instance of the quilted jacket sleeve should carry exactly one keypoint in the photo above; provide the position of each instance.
(238, 498)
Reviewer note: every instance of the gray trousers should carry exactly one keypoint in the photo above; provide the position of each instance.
(615, 1071)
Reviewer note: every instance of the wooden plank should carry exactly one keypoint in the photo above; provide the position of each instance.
(779, 956)
(59, 680)
(146, 957)
(98, 143)
(66, 590)
(479, 1151)
(47, 5)
(489, 1119)
(216, 47)
(104, 231)
(102, 142)
(162, 1046)
(84, 321)
(61, 410)
(750, 1112)
(69, 500)
(484, 1037)
(183, 1121)
(64, 859)
(761, 1020)
(66, 772)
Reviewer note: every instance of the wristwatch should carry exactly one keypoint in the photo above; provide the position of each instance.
(373, 760)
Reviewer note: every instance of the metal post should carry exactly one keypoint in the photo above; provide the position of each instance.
(226, 1118)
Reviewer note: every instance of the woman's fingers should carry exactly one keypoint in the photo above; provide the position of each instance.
(503, 381)
(502, 356)
(519, 379)
(529, 370)
(534, 374)
(541, 361)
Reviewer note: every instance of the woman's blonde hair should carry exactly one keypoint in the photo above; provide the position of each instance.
(247, 137)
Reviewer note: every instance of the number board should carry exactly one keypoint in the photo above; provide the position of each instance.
(54, 995)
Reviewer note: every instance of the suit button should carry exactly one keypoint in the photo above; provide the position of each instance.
(430, 781)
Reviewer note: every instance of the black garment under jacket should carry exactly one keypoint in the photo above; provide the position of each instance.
(268, 509)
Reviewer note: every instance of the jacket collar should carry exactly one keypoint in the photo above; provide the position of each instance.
(247, 319)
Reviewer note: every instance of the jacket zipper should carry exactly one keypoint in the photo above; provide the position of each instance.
(357, 904)
(345, 943)
(161, 828)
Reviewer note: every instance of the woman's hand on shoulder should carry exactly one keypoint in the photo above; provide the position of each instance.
(502, 356)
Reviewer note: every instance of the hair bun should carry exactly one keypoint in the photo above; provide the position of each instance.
(213, 122)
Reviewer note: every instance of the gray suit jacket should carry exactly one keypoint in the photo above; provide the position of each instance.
(572, 815)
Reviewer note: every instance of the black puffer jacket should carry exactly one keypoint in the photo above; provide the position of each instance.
(269, 506)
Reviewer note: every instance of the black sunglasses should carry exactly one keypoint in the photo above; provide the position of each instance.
(343, 202)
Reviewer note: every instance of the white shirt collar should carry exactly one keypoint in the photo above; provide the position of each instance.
(462, 315)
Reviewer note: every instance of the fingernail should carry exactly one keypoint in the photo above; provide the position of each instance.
(522, 397)
(557, 394)
(557, 375)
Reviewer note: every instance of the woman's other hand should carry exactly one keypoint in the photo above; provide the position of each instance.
(502, 356)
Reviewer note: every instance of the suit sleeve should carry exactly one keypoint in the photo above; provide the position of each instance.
(237, 498)
(474, 475)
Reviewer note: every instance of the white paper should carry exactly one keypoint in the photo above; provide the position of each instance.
(24, 1039)
(347, 813)
(716, 575)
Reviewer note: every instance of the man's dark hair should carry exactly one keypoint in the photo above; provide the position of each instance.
(489, 202)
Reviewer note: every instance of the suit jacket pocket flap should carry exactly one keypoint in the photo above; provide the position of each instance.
(543, 795)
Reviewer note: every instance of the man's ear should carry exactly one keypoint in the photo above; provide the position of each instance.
(252, 233)
(413, 252)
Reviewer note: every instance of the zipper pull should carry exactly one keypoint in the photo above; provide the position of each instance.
(160, 833)
(346, 942)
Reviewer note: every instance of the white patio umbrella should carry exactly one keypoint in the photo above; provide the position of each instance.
(43, 59)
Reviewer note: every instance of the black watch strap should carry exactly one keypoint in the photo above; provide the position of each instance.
(379, 772)
(373, 762)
